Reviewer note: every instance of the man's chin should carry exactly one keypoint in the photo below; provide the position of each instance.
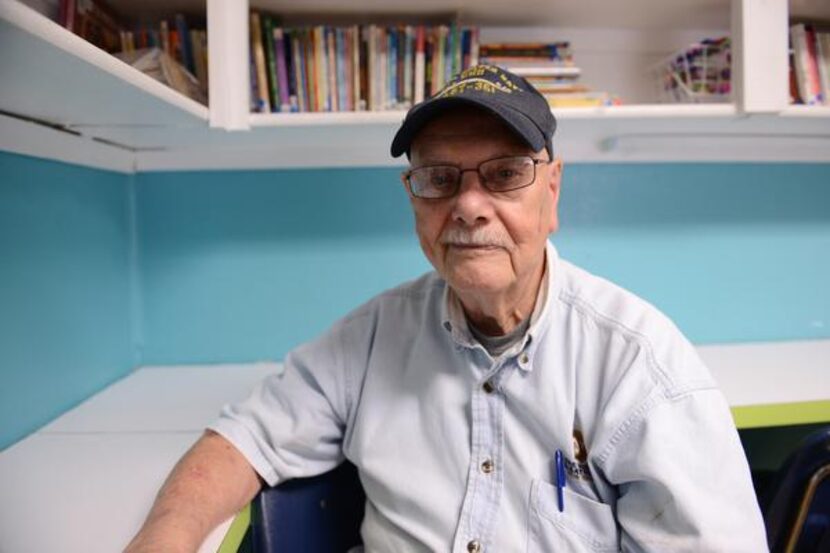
(474, 277)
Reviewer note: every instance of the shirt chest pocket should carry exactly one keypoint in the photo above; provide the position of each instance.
(583, 525)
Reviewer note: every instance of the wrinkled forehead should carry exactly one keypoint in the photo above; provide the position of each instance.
(464, 125)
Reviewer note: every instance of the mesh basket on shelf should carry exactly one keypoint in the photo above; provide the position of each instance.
(700, 73)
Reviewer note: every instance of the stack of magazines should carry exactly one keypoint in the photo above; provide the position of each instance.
(550, 68)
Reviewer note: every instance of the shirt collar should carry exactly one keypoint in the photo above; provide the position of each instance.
(454, 321)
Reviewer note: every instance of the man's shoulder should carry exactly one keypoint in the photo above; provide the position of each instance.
(609, 303)
(616, 312)
(412, 294)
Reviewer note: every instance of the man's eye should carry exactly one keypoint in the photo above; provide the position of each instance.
(439, 179)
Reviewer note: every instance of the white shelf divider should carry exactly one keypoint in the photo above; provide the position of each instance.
(228, 64)
(759, 55)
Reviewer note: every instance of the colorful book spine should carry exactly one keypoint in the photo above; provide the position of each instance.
(457, 47)
(365, 64)
(321, 69)
(342, 85)
(198, 40)
(356, 72)
(332, 98)
(392, 69)
(258, 54)
(420, 65)
(437, 71)
(823, 55)
(806, 66)
(298, 67)
(311, 76)
(282, 69)
(293, 98)
(184, 36)
(449, 54)
(474, 47)
(270, 61)
(408, 62)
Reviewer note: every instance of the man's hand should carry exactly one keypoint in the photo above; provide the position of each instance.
(212, 482)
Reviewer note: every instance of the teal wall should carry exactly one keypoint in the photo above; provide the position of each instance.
(64, 288)
(243, 265)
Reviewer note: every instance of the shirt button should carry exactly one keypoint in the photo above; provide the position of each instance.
(489, 388)
(473, 546)
(487, 466)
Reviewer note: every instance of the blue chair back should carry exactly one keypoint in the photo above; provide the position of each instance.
(321, 514)
(797, 504)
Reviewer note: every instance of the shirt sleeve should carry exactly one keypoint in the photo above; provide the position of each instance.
(292, 424)
(684, 483)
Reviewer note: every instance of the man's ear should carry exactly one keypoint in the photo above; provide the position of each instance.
(405, 186)
(554, 183)
(555, 176)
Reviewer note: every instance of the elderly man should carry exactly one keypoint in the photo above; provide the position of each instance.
(508, 401)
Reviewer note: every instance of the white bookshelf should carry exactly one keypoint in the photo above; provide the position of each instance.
(48, 74)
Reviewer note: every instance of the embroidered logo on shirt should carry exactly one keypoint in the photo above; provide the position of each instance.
(580, 451)
(579, 469)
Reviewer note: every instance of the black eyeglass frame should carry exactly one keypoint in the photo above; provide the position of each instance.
(457, 185)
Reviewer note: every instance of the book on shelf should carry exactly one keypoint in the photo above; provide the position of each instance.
(93, 20)
(823, 57)
(49, 8)
(810, 64)
(352, 68)
(182, 40)
(579, 99)
(260, 93)
(158, 64)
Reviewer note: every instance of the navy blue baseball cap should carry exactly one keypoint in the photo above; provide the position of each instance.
(507, 96)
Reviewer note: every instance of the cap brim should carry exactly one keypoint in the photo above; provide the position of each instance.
(519, 123)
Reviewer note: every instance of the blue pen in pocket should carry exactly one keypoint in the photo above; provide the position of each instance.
(561, 482)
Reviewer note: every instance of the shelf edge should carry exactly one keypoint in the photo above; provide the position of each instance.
(30, 139)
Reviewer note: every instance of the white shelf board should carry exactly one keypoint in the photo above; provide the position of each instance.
(637, 133)
(83, 493)
(48, 73)
(648, 111)
(766, 373)
(395, 117)
(822, 112)
(163, 399)
(317, 119)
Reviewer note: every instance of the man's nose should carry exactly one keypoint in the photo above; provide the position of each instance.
(472, 203)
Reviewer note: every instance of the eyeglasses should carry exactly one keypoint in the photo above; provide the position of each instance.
(501, 174)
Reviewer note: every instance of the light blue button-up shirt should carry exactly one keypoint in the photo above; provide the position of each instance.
(456, 449)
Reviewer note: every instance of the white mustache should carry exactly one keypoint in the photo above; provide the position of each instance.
(479, 237)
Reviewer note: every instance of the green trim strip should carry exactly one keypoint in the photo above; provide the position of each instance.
(233, 539)
(781, 414)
